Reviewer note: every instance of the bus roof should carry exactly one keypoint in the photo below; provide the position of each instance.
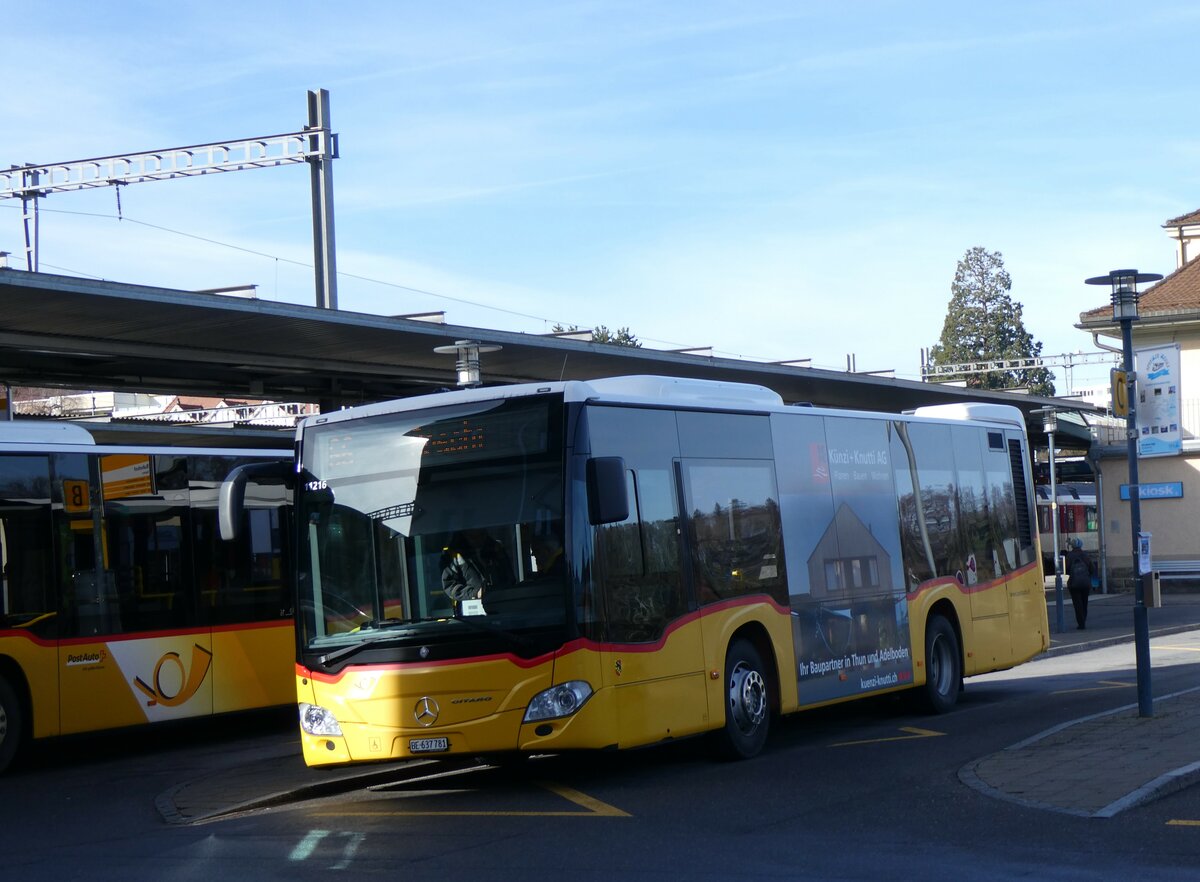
(658, 390)
(31, 432)
(971, 410)
(40, 436)
(678, 390)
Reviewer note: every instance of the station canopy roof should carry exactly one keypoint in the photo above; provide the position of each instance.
(67, 332)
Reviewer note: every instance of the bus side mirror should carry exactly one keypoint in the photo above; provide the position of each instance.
(231, 501)
(608, 501)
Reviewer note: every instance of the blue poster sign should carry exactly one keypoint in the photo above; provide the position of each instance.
(1158, 419)
(1161, 490)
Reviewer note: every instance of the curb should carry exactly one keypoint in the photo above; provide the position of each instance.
(968, 776)
(1163, 785)
(1071, 648)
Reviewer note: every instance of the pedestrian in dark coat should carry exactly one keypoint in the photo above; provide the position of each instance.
(1079, 581)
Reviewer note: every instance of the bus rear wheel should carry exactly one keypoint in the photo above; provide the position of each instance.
(943, 666)
(747, 703)
(11, 723)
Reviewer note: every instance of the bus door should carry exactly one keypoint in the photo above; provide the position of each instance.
(131, 650)
(733, 534)
(652, 654)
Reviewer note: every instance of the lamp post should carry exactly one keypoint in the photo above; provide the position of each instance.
(1125, 311)
(1050, 426)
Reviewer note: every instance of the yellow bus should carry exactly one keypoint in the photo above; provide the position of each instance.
(627, 561)
(119, 602)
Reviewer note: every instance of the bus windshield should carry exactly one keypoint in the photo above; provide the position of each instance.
(416, 522)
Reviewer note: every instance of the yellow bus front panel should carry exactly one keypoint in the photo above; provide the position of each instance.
(398, 711)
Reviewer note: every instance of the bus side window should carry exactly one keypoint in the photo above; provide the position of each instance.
(1003, 506)
(145, 525)
(89, 604)
(620, 563)
(638, 566)
(639, 561)
(243, 579)
(26, 599)
(928, 500)
(733, 515)
(974, 517)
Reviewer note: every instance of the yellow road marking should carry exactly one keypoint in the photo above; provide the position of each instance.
(1104, 685)
(595, 808)
(912, 731)
(1183, 823)
(593, 805)
(1179, 648)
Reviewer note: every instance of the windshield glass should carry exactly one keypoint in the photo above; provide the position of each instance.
(441, 517)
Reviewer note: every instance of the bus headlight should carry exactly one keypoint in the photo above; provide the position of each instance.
(316, 720)
(558, 701)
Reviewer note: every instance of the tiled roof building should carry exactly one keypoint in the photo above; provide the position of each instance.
(1168, 317)
(1185, 230)
(1175, 299)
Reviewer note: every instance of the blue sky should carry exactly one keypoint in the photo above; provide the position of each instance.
(774, 180)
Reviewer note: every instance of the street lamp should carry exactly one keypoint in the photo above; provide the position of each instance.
(1050, 426)
(1125, 310)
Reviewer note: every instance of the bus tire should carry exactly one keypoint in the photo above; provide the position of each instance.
(943, 666)
(747, 703)
(12, 723)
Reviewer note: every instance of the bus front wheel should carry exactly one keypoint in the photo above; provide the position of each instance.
(11, 723)
(943, 666)
(747, 703)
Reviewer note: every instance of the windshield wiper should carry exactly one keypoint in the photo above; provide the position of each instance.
(346, 651)
(374, 639)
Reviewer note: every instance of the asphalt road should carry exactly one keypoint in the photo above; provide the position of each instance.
(869, 791)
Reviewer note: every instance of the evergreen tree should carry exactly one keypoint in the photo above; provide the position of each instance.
(983, 323)
(601, 334)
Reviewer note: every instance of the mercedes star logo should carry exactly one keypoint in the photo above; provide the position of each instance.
(426, 711)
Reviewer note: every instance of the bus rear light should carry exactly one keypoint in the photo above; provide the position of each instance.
(558, 701)
(316, 720)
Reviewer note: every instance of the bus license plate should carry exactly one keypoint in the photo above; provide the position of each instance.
(428, 745)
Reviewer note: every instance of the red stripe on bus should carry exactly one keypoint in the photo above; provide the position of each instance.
(176, 632)
(25, 635)
(577, 645)
(973, 589)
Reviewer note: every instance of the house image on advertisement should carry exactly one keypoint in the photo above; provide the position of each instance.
(1168, 315)
(849, 561)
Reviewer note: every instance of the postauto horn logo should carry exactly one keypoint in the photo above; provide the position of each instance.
(190, 678)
